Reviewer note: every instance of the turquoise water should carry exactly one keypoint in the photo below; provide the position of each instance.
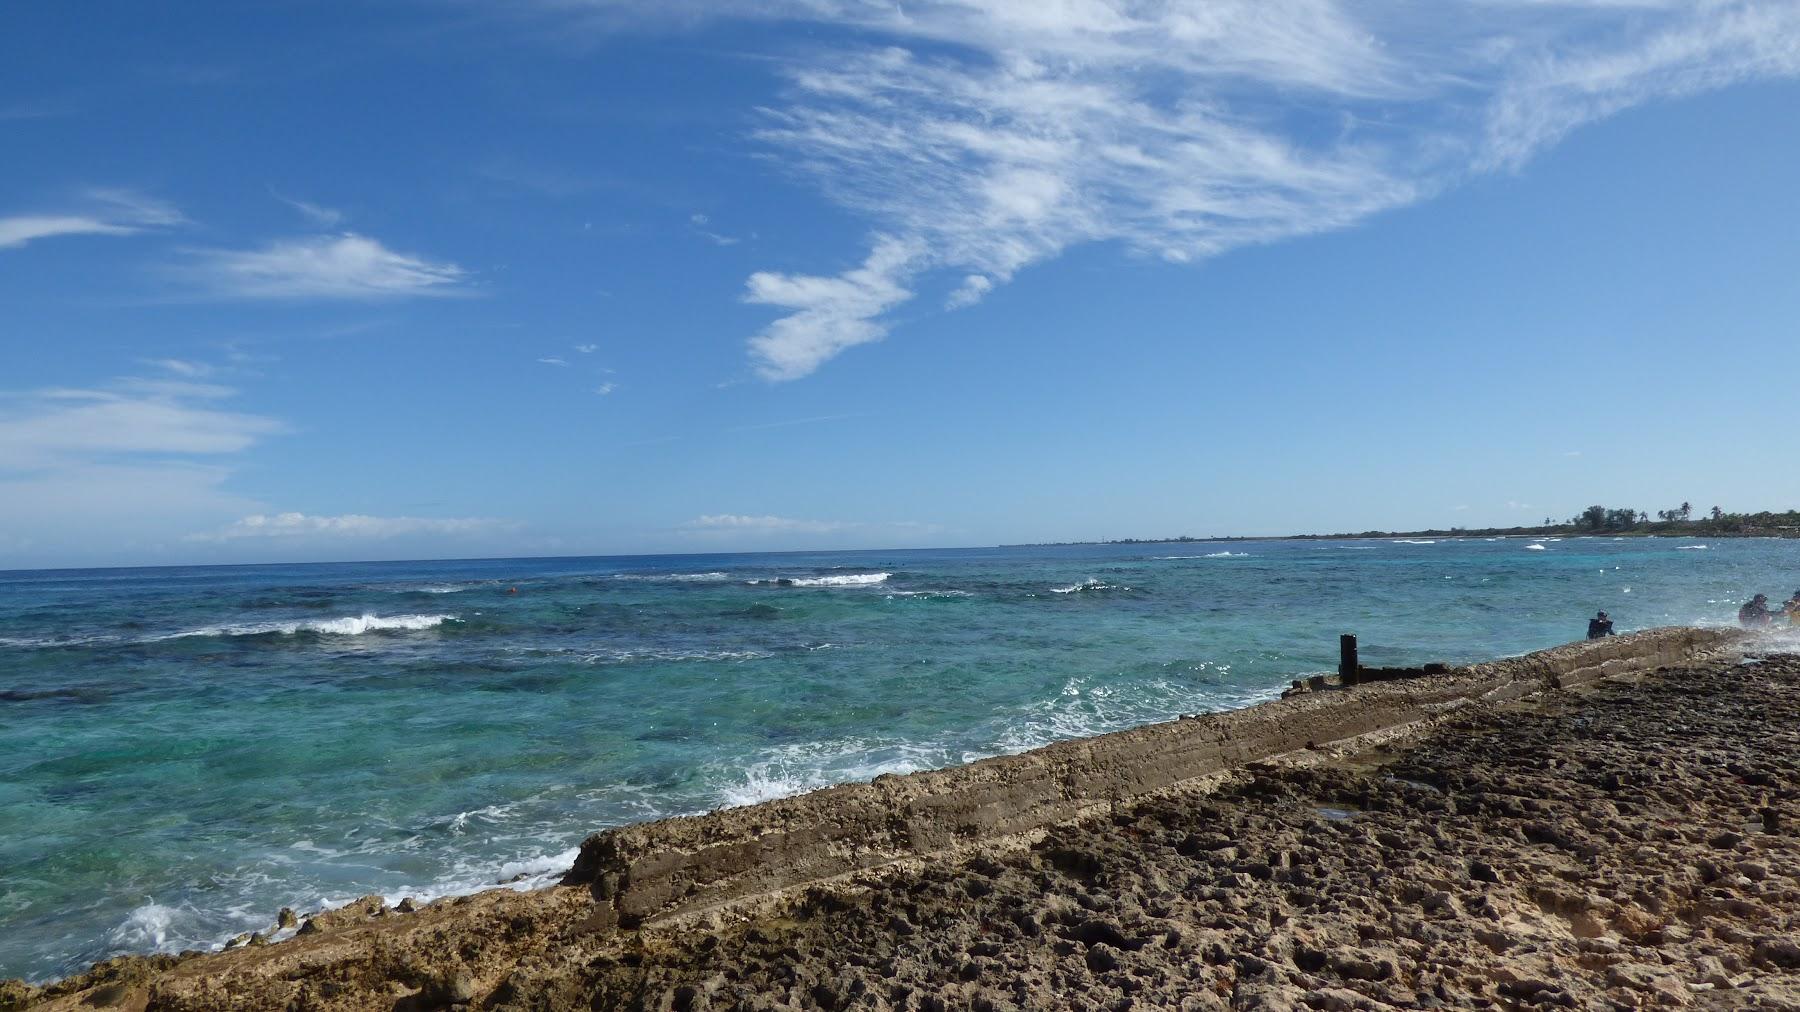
(185, 751)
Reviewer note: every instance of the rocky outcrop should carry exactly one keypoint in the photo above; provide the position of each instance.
(677, 866)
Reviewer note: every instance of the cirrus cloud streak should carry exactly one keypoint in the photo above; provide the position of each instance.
(979, 137)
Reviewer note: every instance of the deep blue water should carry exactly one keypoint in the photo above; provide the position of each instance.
(185, 751)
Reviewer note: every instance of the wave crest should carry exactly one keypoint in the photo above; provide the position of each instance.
(1088, 586)
(348, 625)
(842, 580)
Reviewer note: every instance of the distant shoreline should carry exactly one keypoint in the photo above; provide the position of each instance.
(1507, 532)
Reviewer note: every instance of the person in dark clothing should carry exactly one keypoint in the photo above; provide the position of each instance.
(1599, 626)
(1755, 613)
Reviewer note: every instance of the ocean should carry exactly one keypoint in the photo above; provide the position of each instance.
(184, 751)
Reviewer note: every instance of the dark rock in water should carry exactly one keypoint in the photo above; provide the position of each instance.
(762, 611)
(407, 905)
(311, 927)
(287, 918)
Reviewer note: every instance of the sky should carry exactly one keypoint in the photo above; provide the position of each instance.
(286, 281)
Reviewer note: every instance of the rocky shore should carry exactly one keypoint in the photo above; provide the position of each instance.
(1618, 843)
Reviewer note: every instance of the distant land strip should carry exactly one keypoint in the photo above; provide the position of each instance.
(1591, 522)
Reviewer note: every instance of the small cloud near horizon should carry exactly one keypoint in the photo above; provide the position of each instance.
(348, 525)
(746, 524)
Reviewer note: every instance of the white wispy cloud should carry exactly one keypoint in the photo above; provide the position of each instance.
(319, 214)
(60, 427)
(182, 367)
(587, 349)
(553, 360)
(135, 461)
(728, 526)
(343, 266)
(348, 525)
(700, 224)
(829, 314)
(741, 524)
(978, 137)
(94, 212)
(605, 389)
(790, 422)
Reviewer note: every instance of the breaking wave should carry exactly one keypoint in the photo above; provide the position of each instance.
(674, 577)
(844, 580)
(349, 625)
(1088, 586)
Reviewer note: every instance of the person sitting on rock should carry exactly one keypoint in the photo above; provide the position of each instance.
(1755, 613)
(1792, 609)
(1599, 626)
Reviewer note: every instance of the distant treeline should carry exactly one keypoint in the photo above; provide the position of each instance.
(1681, 521)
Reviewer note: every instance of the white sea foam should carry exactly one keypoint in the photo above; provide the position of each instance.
(787, 770)
(1536, 548)
(1087, 586)
(1213, 555)
(349, 625)
(1690, 548)
(1082, 709)
(927, 594)
(145, 927)
(670, 656)
(840, 580)
(674, 577)
(1412, 541)
(40, 642)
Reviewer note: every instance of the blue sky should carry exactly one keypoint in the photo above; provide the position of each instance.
(443, 279)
